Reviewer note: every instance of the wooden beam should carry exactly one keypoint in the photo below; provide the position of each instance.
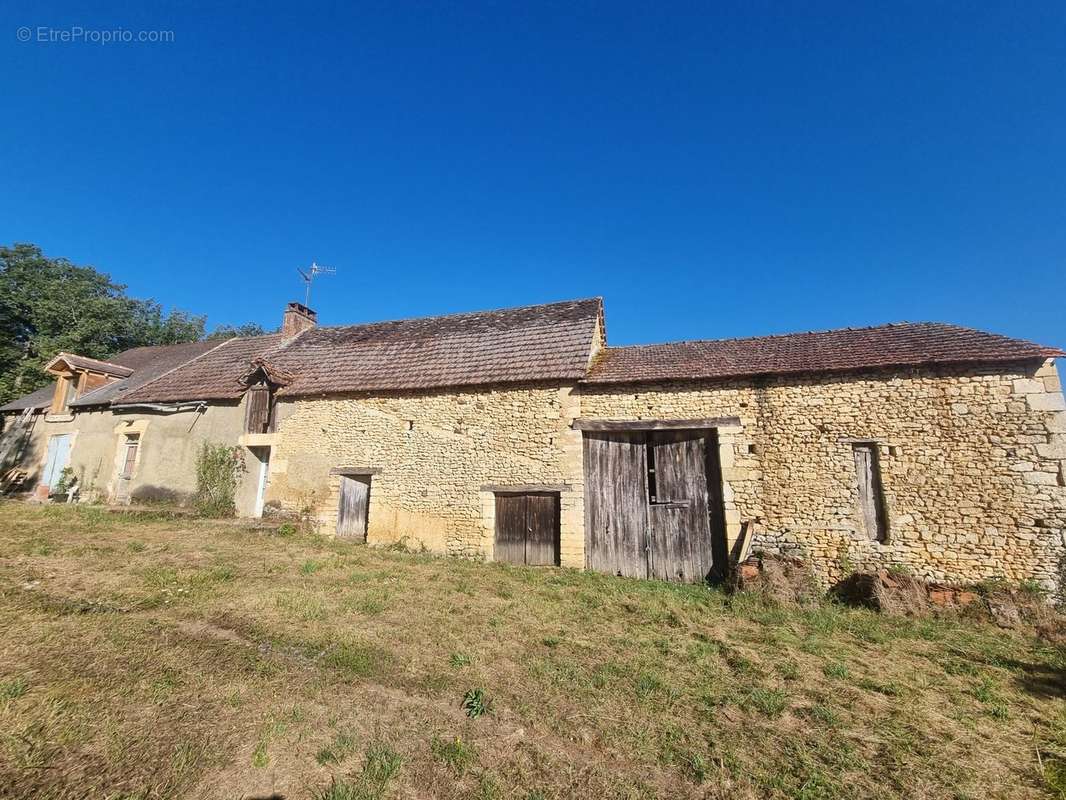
(525, 488)
(355, 471)
(655, 424)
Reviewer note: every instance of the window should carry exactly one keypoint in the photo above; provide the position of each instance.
(129, 459)
(871, 493)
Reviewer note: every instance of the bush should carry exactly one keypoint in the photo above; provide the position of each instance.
(218, 473)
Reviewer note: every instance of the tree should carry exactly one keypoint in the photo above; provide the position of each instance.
(48, 305)
(229, 331)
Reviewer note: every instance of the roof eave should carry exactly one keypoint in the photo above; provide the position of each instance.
(296, 393)
(751, 375)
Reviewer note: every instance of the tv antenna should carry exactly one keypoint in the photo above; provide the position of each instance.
(309, 276)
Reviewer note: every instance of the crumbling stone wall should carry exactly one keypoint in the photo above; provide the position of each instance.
(972, 465)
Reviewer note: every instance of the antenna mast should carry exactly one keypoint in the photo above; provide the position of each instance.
(309, 276)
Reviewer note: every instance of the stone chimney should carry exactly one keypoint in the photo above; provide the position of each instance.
(298, 317)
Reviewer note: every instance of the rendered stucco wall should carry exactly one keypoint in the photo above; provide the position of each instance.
(972, 464)
(166, 461)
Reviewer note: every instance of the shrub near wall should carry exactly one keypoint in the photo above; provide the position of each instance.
(218, 473)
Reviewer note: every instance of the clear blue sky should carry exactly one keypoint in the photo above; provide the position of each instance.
(711, 170)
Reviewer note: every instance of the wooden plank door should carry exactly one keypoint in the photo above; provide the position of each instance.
(542, 529)
(511, 511)
(616, 503)
(679, 520)
(354, 506)
(527, 529)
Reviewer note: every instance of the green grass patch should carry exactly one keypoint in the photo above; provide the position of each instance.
(457, 754)
(340, 747)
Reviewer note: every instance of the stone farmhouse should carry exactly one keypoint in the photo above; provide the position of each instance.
(519, 435)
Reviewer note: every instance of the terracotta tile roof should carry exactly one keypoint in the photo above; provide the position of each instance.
(848, 349)
(543, 342)
(140, 364)
(213, 375)
(148, 363)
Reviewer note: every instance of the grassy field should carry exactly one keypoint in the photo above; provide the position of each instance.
(146, 657)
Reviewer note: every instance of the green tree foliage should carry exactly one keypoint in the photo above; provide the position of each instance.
(230, 331)
(48, 305)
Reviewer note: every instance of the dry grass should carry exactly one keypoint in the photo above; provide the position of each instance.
(143, 657)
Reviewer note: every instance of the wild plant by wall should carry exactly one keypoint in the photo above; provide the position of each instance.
(218, 473)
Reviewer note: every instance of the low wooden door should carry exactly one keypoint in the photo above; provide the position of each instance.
(527, 528)
(354, 506)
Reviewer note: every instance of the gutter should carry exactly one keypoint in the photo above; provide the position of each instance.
(198, 406)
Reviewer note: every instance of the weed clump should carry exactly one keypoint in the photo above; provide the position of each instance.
(218, 473)
(476, 704)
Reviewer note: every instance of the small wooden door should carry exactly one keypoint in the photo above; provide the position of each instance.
(354, 506)
(527, 528)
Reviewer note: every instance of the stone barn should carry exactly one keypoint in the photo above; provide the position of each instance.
(519, 435)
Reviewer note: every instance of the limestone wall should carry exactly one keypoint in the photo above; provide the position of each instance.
(432, 453)
(972, 462)
(972, 465)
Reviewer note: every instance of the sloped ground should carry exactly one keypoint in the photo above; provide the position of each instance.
(145, 657)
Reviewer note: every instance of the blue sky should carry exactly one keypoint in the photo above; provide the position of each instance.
(711, 170)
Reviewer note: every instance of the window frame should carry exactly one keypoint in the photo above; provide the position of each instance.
(128, 467)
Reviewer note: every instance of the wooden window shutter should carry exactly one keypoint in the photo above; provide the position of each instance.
(871, 492)
(258, 416)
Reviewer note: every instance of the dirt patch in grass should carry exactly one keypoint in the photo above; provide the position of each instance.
(149, 657)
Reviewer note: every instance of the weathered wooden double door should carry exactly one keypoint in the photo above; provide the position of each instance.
(527, 528)
(653, 505)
